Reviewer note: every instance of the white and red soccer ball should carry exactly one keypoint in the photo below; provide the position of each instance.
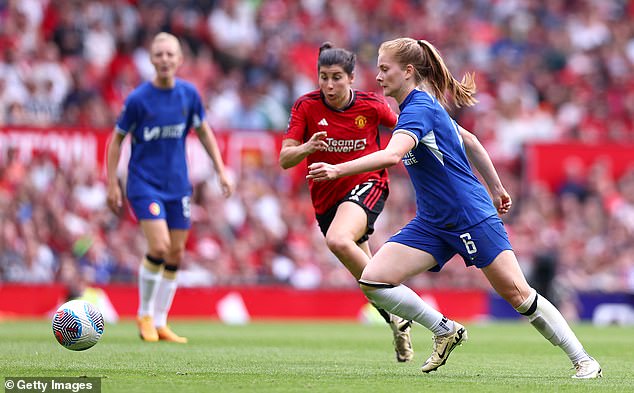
(77, 325)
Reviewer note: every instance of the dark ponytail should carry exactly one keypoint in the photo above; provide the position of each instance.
(329, 56)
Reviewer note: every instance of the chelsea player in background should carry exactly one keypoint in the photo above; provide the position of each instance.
(454, 212)
(158, 116)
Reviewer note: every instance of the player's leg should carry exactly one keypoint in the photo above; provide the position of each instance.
(347, 238)
(348, 225)
(381, 282)
(168, 285)
(507, 279)
(401, 328)
(178, 214)
(150, 271)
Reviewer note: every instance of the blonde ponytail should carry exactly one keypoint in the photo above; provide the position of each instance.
(431, 70)
(440, 79)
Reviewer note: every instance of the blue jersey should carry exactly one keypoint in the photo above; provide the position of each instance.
(448, 194)
(158, 121)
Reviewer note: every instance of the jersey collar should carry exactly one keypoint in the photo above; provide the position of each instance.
(353, 99)
(407, 99)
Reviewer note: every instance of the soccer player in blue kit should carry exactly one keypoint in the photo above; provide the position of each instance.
(454, 212)
(158, 116)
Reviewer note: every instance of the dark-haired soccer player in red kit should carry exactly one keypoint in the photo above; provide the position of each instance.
(336, 124)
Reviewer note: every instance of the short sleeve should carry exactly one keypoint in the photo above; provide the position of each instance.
(128, 118)
(198, 110)
(415, 121)
(296, 124)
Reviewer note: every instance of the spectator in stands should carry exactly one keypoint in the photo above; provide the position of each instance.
(69, 32)
(574, 182)
(233, 32)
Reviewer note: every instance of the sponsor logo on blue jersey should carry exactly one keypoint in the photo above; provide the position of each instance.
(168, 131)
(409, 159)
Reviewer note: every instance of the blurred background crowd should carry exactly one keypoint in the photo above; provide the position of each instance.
(556, 70)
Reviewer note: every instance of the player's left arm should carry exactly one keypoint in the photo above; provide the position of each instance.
(209, 142)
(479, 157)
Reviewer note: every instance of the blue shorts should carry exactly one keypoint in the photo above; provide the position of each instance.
(477, 245)
(177, 213)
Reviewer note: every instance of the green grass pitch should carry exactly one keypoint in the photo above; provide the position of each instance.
(316, 356)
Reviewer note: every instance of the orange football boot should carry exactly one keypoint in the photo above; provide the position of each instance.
(166, 334)
(147, 331)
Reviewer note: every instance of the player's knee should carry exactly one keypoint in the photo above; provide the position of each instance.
(374, 274)
(514, 298)
(158, 244)
(516, 295)
(526, 303)
(160, 250)
(339, 244)
(176, 255)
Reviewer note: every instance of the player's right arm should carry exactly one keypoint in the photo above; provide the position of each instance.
(115, 195)
(293, 151)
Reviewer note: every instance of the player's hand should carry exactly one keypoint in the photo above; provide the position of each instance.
(115, 198)
(321, 171)
(317, 142)
(225, 185)
(502, 202)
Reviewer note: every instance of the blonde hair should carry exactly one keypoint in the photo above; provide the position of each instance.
(431, 69)
(163, 36)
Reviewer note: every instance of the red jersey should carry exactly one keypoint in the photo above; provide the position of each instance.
(353, 132)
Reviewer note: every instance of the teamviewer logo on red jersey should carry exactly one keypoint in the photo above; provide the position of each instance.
(345, 145)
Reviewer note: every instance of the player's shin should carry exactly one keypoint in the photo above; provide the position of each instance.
(149, 277)
(551, 324)
(165, 295)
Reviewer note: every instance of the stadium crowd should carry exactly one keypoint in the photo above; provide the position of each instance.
(545, 70)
